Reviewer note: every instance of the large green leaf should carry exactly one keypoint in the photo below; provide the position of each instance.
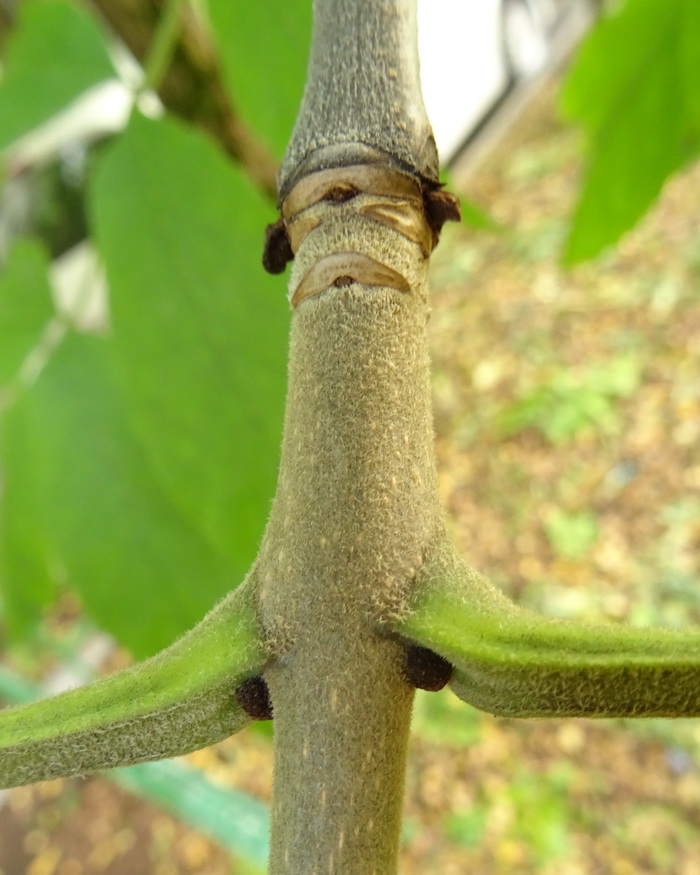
(199, 329)
(25, 309)
(56, 52)
(689, 59)
(634, 89)
(264, 56)
(142, 571)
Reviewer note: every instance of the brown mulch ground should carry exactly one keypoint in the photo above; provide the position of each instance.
(568, 421)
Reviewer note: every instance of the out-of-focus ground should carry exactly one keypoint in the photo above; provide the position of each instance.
(567, 411)
(568, 417)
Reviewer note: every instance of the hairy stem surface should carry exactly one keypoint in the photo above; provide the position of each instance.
(355, 510)
(357, 505)
(363, 93)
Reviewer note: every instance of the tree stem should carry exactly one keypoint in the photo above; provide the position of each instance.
(356, 511)
(357, 505)
(363, 92)
(341, 735)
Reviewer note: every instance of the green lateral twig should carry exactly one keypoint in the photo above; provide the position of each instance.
(165, 39)
(515, 663)
(180, 700)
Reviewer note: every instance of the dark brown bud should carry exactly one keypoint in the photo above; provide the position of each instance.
(425, 669)
(441, 207)
(339, 194)
(278, 250)
(253, 696)
(343, 281)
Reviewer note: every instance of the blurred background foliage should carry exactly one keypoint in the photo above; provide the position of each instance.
(156, 467)
(139, 446)
(141, 405)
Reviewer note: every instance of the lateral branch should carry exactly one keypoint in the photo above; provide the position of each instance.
(193, 85)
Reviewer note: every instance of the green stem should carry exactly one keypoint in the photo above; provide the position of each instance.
(180, 700)
(516, 663)
(163, 45)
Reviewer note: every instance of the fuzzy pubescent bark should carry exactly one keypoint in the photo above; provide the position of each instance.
(180, 700)
(513, 662)
(357, 504)
(363, 100)
(356, 587)
(356, 510)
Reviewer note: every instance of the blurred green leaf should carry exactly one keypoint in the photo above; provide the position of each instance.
(264, 57)
(633, 87)
(605, 71)
(543, 811)
(25, 305)
(571, 534)
(25, 309)
(571, 401)
(467, 828)
(26, 582)
(124, 547)
(199, 329)
(689, 58)
(55, 52)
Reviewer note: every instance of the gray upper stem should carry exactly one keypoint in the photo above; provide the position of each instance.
(363, 99)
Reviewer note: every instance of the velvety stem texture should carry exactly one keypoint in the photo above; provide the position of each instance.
(355, 565)
(357, 505)
(363, 92)
(355, 513)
